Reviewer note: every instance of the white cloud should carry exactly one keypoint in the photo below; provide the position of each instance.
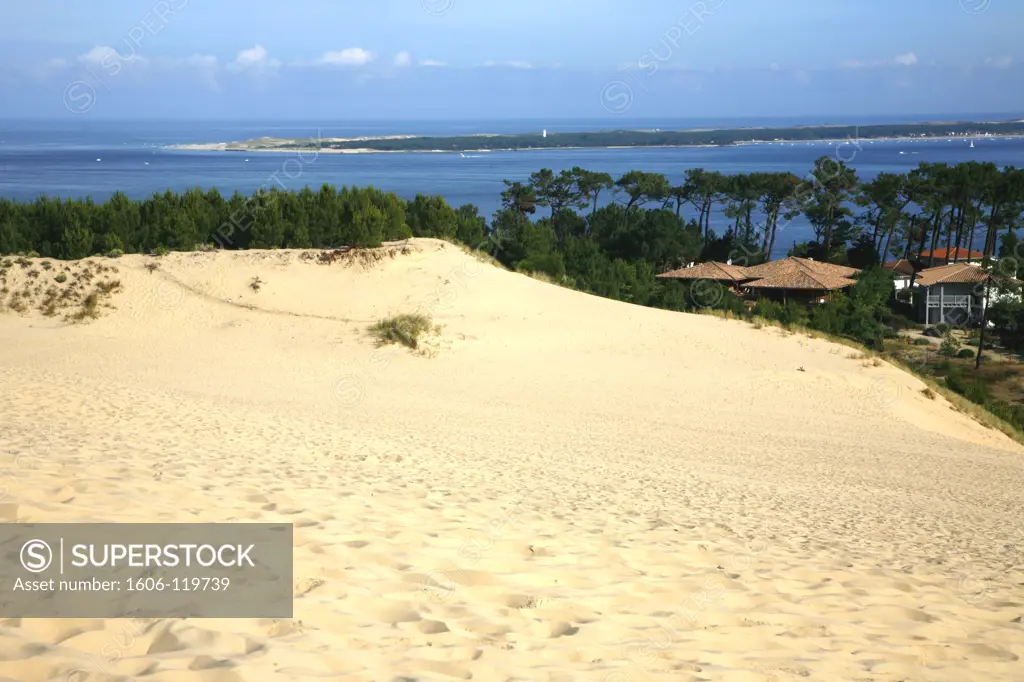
(199, 61)
(908, 59)
(254, 58)
(108, 57)
(999, 62)
(432, 62)
(515, 65)
(351, 56)
(97, 54)
(403, 59)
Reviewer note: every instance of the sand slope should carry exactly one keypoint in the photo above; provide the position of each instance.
(560, 487)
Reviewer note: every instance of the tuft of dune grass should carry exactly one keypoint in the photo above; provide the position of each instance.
(405, 329)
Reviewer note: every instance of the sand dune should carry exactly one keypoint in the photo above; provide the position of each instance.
(559, 487)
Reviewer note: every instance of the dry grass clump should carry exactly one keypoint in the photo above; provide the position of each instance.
(403, 329)
(48, 306)
(17, 302)
(364, 257)
(108, 288)
(928, 393)
(88, 311)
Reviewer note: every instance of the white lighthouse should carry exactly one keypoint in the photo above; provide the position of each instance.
(545, 133)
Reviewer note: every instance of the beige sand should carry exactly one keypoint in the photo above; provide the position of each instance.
(560, 487)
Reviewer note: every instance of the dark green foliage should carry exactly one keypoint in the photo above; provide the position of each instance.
(862, 253)
(76, 241)
(471, 228)
(656, 236)
(669, 296)
(550, 264)
(732, 247)
(949, 346)
(432, 217)
(965, 353)
(1008, 318)
(977, 392)
(769, 310)
(1014, 414)
(922, 342)
(269, 219)
(793, 314)
(832, 318)
(972, 389)
(955, 382)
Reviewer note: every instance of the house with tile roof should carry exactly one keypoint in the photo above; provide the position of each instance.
(798, 279)
(726, 273)
(955, 293)
(954, 255)
(794, 264)
(902, 271)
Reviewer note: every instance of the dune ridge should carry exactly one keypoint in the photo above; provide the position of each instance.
(565, 487)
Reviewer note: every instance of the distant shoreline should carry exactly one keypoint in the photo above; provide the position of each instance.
(619, 139)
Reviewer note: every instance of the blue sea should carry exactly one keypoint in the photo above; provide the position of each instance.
(96, 158)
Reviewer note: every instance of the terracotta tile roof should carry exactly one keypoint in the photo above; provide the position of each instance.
(795, 265)
(954, 273)
(802, 280)
(828, 268)
(900, 267)
(722, 272)
(954, 253)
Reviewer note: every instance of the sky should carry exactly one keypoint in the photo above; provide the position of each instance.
(491, 59)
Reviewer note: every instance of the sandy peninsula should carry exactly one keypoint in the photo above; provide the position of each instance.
(289, 145)
(555, 487)
(847, 135)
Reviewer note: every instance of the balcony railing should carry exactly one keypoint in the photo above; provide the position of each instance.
(950, 302)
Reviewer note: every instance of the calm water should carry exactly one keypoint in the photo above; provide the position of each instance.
(96, 159)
